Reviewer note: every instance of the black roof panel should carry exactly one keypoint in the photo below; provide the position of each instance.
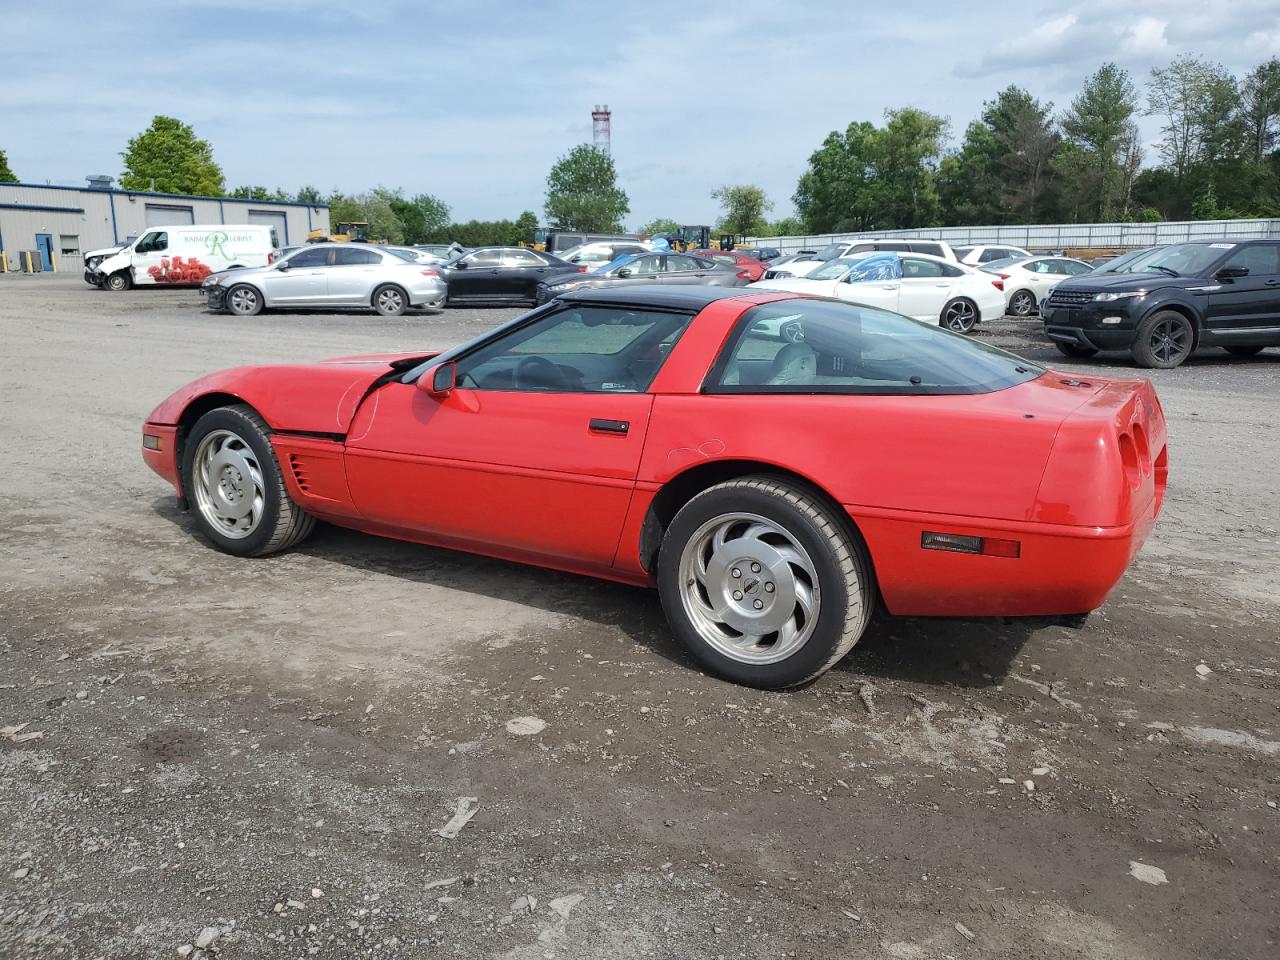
(681, 297)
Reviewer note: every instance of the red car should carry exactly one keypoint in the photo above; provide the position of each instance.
(749, 268)
(775, 465)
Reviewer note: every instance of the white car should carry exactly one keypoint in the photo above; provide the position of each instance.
(1028, 280)
(416, 255)
(804, 265)
(599, 252)
(917, 285)
(980, 256)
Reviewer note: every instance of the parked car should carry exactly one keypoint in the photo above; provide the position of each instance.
(558, 241)
(603, 251)
(418, 255)
(444, 251)
(763, 254)
(981, 255)
(749, 268)
(181, 255)
(917, 285)
(777, 266)
(668, 269)
(1165, 303)
(802, 266)
(500, 274)
(867, 460)
(94, 257)
(346, 275)
(1027, 280)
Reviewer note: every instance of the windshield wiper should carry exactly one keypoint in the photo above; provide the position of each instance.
(1163, 269)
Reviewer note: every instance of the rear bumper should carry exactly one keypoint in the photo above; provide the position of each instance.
(160, 452)
(1061, 570)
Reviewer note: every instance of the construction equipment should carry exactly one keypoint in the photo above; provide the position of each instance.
(347, 231)
(686, 238)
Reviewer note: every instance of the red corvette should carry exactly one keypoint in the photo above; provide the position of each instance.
(749, 268)
(775, 465)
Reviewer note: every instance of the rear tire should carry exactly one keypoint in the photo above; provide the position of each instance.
(1022, 304)
(763, 583)
(1075, 352)
(244, 300)
(1244, 351)
(233, 482)
(118, 281)
(1163, 340)
(390, 301)
(959, 315)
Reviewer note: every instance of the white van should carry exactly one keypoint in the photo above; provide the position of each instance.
(178, 255)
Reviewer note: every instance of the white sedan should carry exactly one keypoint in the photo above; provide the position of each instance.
(914, 284)
(1028, 280)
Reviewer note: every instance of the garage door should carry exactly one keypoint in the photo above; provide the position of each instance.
(272, 218)
(168, 215)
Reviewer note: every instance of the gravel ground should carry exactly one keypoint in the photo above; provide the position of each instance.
(233, 758)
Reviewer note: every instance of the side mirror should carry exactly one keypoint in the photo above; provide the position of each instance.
(624, 272)
(439, 380)
(460, 265)
(282, 265)
(1232, 273)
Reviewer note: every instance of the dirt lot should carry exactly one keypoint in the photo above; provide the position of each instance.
(253, 757)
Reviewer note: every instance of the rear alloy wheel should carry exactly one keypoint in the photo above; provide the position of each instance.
(959, 315)
(119, 281)
(763, 583)
(390, 301)
(1022, 303)
(233, 480)
(1163, 340)
(1074, 351)
(244, 300)
(1243, 351)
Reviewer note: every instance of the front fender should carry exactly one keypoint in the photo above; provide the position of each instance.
(114, 264)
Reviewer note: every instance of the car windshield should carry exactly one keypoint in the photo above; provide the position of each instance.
(1115, 264)
(992, 265)
(615, 263)
(832, 269)
(825, 346)
(875, 266)
(1180, 258)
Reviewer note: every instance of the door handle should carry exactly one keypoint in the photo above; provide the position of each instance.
(610, 426)
(942, 284)
(1273, 283)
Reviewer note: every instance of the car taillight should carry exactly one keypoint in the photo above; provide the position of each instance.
(998, 284)
(744, 274)
(582, 268)
(429, 273)
(271, 258)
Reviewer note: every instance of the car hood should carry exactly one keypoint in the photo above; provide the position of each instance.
(1128, 281)
(319, 397)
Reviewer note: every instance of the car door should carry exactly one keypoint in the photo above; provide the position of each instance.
(874, 285)
(520, 273)
(300, 280)
(925, 288)
(646, 269)
(475, 276)
(683, 270)
(352, 277)
(151, 257)
(1039, 275)
(1248, 305)
(534, 453)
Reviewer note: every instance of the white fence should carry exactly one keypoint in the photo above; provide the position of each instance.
(1055, 236)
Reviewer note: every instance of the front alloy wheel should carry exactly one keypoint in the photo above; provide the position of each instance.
(228, 485)
(1163, 340)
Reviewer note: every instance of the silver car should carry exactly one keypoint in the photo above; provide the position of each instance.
(327, 275)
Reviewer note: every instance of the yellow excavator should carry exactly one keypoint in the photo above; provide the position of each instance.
(347, 231)
(687, 238)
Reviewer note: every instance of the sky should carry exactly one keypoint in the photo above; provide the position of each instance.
(474, 101)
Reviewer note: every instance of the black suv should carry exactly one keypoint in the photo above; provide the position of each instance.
(1168, 301)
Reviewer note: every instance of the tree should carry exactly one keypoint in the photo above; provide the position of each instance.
(6, 174)
(744, 208)
(170, 154)
(419, 217)
(660, 225)
(525, 226)
(259, 193)
(308, 194)
(786, 227)
(1026, 143)
(969, 185)
(583, 193)
(1097, 128)
(1260, 109)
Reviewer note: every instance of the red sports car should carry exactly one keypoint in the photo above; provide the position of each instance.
(750, 269)
(775, 465)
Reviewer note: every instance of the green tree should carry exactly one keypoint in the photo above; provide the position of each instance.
(1260, 110)
(419, 217)
(744, 207)
(6, 174)
(659, 225)
(525, 226)
(169, 153)
(829, 196)
(1026, 143)
(969, 185)
(583, 192)
(785, 227)
(260, 193)
(1098, 129)
(308, 194)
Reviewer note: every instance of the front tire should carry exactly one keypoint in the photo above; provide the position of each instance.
(959, 315)
(1022, 303)
(763, 583)
(1074, 351)
(1163, 340)
(233, 481)
(119, 281)
(390, 301)
(244, 300)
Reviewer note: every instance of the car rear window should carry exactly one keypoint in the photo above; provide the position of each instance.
(822, 346)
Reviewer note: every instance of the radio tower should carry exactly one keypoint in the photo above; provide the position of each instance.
(600, 127)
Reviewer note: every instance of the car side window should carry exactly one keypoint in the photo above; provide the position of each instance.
(646, 266)
(916, 268)
(681, 264)
(1261, 259)
(515, 257)
(895, 246)
(992, 254)
(484, 258)
(1038, 266)
(354, 256)
(580, 349)
(933, 249)
(311, 257)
